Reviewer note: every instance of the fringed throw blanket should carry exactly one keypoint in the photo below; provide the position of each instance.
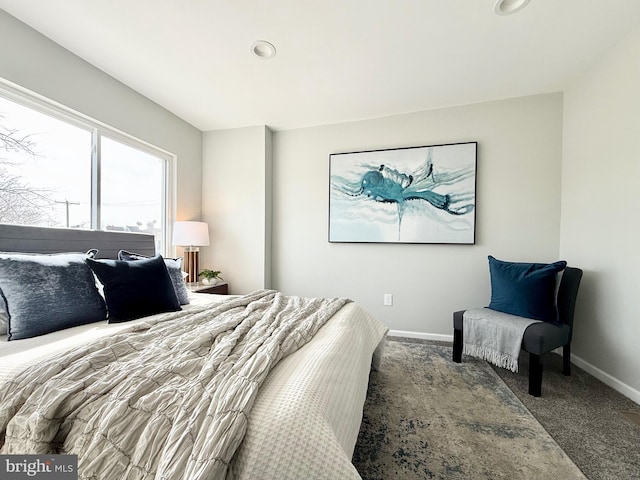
(169, 399)
(494, 336)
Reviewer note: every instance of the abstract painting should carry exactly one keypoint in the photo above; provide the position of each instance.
(404, 195)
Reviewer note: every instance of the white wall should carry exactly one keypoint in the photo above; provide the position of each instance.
(236, 202)
(600, 228)
(31, 60)
(518, 214)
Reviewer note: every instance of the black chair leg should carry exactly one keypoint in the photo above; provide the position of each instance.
(535, 374)
(566, 359)
(457, 345)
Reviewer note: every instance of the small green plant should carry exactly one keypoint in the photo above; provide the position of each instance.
(210, 274)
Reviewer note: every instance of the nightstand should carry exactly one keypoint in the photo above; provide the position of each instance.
(219, 289)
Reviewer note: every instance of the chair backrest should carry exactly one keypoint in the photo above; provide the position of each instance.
(567, 294)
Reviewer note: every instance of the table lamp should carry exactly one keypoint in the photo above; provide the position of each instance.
(191, 235)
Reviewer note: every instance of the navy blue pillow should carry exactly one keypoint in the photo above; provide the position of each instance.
(525, 289)
(4, 319)
(135, 289)
(174, 267)
(45, 293)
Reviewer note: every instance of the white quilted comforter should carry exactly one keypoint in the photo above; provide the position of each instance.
(172, 399)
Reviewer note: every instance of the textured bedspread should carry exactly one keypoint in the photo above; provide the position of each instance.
(306, 418)
(169, 401)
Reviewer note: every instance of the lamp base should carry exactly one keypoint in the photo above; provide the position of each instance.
(190, 264)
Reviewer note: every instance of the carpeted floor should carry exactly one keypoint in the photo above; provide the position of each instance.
(427, 417)
(584, 416)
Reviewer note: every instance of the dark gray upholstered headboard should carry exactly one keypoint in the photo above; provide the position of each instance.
(18, 238)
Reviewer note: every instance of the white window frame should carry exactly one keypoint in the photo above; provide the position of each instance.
(39, 103)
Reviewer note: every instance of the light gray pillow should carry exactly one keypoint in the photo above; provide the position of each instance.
(174, 267)
(3, 319)
(45, 293)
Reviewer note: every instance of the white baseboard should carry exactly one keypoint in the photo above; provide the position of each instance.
(604, 377)
(424, 336)
(607, 379)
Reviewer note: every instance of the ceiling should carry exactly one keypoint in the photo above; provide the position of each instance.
(337, 60)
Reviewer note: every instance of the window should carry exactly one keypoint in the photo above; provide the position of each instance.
(131, 181)
(45, 169)
(58, 169)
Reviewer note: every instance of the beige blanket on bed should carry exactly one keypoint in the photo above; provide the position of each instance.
(170, 401)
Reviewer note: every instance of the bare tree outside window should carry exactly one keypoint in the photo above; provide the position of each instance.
(45, 169)
(20, 203)
(47, 177)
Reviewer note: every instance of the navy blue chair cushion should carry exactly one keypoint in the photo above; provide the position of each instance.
(525, 289)
(45, 293)
(135, 289)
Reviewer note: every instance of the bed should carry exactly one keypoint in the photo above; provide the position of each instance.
(92, 390)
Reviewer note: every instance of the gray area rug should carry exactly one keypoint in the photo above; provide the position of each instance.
(427, 417)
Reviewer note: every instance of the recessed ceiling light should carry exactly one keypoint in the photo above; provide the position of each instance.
(262, 49)
(507, 7)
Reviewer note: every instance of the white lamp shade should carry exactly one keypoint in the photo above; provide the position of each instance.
(191, 234)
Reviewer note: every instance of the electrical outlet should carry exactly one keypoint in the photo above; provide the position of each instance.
(388, 299)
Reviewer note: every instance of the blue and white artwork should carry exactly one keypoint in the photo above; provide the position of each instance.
(405, 195)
